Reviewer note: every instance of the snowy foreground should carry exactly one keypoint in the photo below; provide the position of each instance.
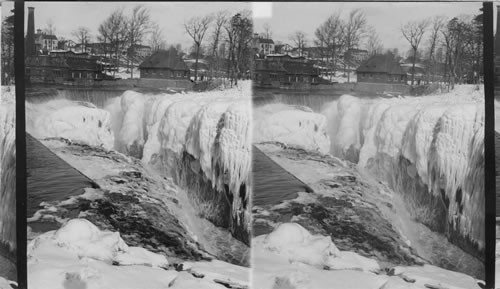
(420, 146)
(79, 255)
(292, 257)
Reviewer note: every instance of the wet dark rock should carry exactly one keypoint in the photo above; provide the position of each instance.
(229, 284)
(146, 225)
(178, 267)
(198, 275)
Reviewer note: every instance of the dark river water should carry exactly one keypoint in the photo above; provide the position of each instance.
(49, 178)
(273, 184)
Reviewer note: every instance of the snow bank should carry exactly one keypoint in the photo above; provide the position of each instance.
(79, 255)
(436, 141)
(291, 257)
(293, 125)
(294, 243)
(77, 121)
(8, 167)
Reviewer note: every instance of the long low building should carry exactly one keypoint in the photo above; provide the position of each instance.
(283, 71)
(58, 69)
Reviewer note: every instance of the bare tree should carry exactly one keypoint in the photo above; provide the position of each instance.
(300, 41)
(413, 33)
(437, 25)
(373, 43)
(354, 30)
(114, 31)
(50, 28)
(156, 39)
(239, 36)
(82, 34)
(331, 36)
(463, 45)
(137, 26)
(196, 28)
(220, 19)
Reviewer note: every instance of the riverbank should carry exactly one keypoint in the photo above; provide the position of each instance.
(361, 217)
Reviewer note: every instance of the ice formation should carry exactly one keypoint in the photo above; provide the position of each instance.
(7, 167)
(202, 135)
(294, 125)
(434, 140)
(73, 120)
(428, 148)
(291, 257)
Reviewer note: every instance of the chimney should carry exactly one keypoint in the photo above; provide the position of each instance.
(30, 49)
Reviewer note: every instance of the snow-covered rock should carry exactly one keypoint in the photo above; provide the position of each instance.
(79, 255)
(289, 258)
(294, 243)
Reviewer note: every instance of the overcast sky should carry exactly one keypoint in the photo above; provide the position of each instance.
(385, 17)
(67, 16)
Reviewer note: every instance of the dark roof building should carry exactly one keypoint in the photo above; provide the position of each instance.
(60, 68)
(282, 71)
(381, 68)
(164, 64)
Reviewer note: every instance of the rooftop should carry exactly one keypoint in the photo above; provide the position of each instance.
(164, 59)
(381, 63)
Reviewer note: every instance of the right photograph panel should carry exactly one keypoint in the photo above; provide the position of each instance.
(368, 156)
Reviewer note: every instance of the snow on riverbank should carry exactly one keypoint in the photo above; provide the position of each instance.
(79, 255)
(291, 257)
(8, 167)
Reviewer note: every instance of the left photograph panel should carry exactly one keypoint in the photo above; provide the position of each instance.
(8, 248)
(138, 144)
